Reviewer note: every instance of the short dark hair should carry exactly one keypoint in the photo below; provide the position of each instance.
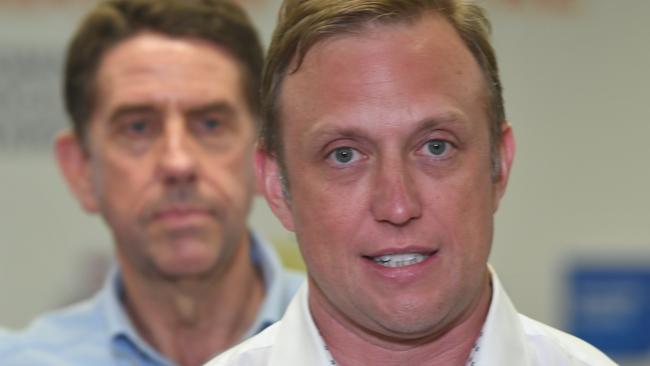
(303, 23)
(218, 21)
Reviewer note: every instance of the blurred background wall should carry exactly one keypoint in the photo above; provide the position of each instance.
(577, 90)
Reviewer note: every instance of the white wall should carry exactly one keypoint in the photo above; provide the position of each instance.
(577, 91)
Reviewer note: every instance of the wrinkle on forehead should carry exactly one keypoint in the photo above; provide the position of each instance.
(411, 41)
(369, 85)
(150, 57)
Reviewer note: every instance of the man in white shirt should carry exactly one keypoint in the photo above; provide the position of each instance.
(385, 148)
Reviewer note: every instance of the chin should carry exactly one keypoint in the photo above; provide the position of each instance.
(410, 320)
(402, 330)
(412, 329)
(184, 265)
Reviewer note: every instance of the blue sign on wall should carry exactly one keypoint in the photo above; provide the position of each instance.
(609, 307)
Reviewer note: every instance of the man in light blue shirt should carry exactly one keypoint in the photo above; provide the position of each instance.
(99, 332)
(3, 334)
(163, 100)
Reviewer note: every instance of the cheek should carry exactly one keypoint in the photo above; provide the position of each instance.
(120, 184)
(230, 179)
(468, 215)
(327, 206)
(105, 184)
(459, 207)
(327, 219)
(317, 218)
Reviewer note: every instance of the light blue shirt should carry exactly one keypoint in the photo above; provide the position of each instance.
(98, 331)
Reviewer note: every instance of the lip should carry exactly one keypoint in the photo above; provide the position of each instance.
(401, 275)
(401, 250)
(180, 214)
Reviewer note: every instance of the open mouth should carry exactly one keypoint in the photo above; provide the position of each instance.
(400, 260)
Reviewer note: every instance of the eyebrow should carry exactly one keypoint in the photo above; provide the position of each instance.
(220, 107)
(425, 124)
(447, 119)
(320, 135)
(131, 109)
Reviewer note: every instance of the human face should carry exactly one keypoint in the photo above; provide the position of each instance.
(169, 162)
(391, 196)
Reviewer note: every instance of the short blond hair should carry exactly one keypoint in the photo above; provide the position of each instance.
(303, 23)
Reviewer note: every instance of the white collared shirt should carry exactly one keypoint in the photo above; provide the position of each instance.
(509, 339)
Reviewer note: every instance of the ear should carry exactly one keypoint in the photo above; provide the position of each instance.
(506, 157)
(269, 183)
(74, 164)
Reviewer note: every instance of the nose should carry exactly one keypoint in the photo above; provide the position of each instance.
(395, 198)
(177, 160)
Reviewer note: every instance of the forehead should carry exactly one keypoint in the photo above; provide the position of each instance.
(397, 65)
(159, 69)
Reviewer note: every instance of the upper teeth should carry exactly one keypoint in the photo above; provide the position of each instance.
(400, 260)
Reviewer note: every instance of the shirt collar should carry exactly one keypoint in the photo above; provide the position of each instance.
(270, 267)
(125, 339)
(502, 341)
(298, 341)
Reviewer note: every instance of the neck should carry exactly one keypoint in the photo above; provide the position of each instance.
(351, 346)
(179, 317)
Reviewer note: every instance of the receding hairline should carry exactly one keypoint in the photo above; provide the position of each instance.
(374, 26)
(193, 40)
(360, 27)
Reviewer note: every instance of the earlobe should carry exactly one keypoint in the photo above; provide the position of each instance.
(269, 183)
(507, 149)
(74, 165)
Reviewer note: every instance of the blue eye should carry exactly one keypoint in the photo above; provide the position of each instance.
(138, 127)
(211, 123)
(437, 147)
(343, 155)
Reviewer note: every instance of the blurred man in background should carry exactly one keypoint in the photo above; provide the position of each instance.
(163, 96)
(386, 149)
